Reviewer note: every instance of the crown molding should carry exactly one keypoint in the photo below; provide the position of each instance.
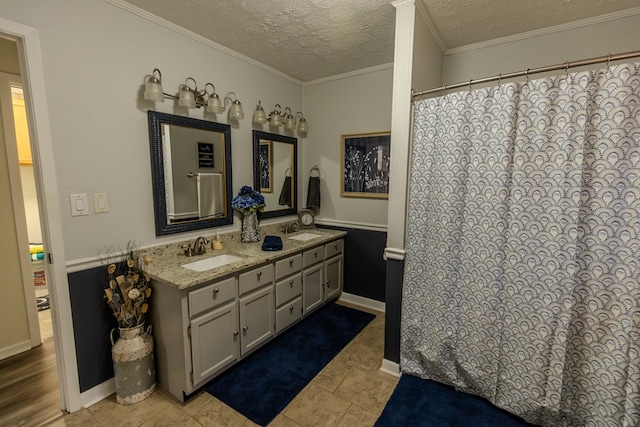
(368, 70)
(544, 31)
(198, 38)
(422, 10)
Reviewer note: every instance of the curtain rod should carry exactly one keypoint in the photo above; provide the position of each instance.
(528, 72)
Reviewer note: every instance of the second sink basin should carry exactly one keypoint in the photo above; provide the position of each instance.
(213, 262)
(305, 236)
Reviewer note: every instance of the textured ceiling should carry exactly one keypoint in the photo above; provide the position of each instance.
(312, 39)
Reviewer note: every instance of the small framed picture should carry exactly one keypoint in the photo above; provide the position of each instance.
(266, 166)
(365, 165)
(205, 155)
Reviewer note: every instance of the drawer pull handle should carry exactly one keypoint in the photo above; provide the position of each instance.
(315, 254)
(291, 309)
(291, 283)
(290, 263)
(235, 333)
(244, 328)
(335, 246)
(328, 281)
(215, 291)
(322, 284)
(259, 273)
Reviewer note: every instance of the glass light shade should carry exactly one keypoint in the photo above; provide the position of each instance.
(259, 116)
(186, 98)
(290, 122)
(235, 111)
(153, 90)
(214, 104)
(302, 125)
(275, 120)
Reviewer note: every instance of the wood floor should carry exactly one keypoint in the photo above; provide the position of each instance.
(29, 393)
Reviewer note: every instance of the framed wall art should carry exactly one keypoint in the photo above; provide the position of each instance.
(365, 165)
(266, 166)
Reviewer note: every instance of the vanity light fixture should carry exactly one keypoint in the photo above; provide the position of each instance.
(191, 97)
(259, 116)
(277, 118)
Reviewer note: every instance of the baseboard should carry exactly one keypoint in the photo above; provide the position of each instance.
(391, 368)
(98, 393)
(14, 349)
(362, 301)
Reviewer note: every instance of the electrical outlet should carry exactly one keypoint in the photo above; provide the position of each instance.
(100, 203)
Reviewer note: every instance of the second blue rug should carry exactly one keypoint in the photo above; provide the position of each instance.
(264, 383)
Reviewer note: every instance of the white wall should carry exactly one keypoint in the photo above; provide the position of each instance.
(96, 56)
(538, 50)
(359, 103)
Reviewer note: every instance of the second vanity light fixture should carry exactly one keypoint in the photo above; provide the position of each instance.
(191, 97)
(277, 118)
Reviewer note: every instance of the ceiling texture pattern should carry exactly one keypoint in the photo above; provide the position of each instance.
(313, 39)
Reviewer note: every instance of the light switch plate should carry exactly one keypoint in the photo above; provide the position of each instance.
(100, 203)
(79, 204)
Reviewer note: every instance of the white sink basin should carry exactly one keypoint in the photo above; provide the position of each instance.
(305, 236)
(213, 262)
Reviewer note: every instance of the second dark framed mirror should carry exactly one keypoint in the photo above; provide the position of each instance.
(275, 162)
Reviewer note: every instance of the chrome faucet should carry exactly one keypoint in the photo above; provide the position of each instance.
(199, 247)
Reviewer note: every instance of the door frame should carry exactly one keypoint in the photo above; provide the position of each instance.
(33, 81)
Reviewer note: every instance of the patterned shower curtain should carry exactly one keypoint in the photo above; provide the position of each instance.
(523, 247)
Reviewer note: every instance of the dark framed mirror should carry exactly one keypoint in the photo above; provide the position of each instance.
(191, 173)
(275, 163)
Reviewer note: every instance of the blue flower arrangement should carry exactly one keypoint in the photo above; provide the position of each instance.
(248, 200)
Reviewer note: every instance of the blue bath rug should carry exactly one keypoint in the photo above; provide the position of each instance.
(260, 386)
(424, 403)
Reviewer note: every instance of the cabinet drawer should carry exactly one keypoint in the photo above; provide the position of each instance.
(210, 296)
(288, 289)
(312, 256)
(288, 266)
(255, 278)
(288, 314)
(333, 248)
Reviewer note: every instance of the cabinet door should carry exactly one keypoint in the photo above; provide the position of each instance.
(333, 275)
(312, 284)
(257, 311)
(214, 342)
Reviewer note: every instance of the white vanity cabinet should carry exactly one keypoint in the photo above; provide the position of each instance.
(200, 330)
(322, 274)
(288, 292)
(256, 308)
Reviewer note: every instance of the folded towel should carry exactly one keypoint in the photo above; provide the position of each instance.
(34, 248)
(272, 243)
(313, 193)
(285, 193)
(37, 256)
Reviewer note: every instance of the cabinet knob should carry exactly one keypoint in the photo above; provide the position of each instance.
(335, 246)
(290, 262)
(259, 273)
(291, 309)
(235, 333)
(244, 328)
(315, 253)
(291, 283)
(328, 282)
(322, 284)
(215, 292)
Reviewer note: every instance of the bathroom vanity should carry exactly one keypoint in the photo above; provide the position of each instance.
(206, 321)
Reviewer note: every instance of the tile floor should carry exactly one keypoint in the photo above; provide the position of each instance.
(350, 391)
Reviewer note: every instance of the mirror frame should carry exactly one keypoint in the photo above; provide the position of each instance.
(260, 135)
(163, 227)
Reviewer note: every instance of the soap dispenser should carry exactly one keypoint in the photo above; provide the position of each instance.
(216, 244)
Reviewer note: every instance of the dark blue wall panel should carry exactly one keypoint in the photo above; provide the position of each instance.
(364, 267)
(92, 323)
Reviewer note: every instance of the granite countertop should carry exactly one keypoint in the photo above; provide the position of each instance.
(167, 260)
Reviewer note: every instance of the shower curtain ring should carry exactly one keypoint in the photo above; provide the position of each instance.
(566, 69)
(470, 85)
(526, 74)
(608, 60)
(499, 79)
